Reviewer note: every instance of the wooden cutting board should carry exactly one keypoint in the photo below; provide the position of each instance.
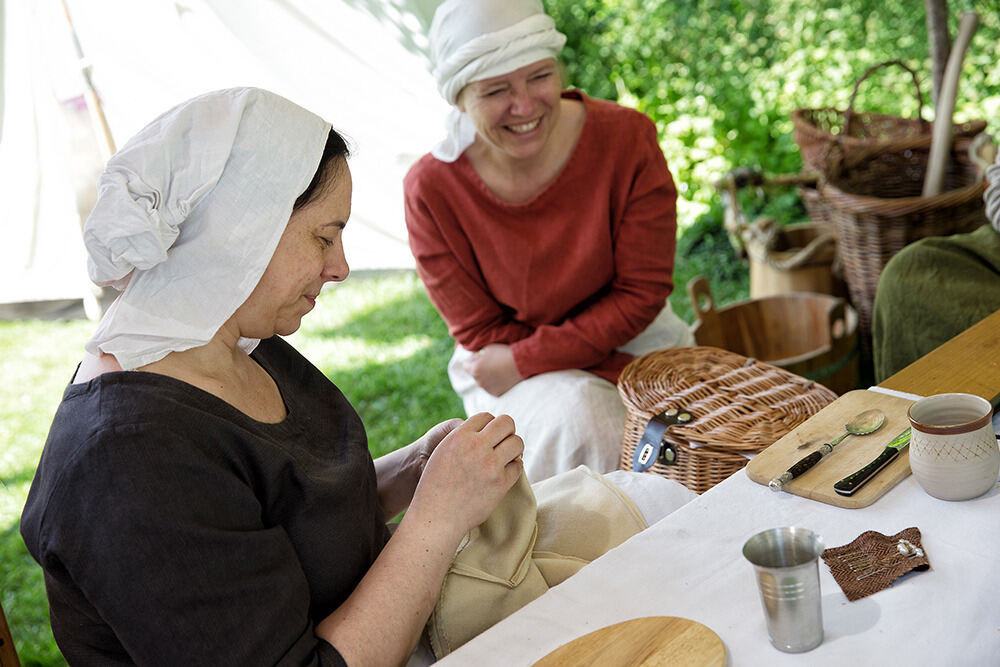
(852, 454)
(650, 641)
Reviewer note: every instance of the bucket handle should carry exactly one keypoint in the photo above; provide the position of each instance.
(700, 293)
(738, 229)
(837, 319)
(761, 240)
(706, 328)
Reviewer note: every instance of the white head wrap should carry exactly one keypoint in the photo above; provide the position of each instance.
(473, 40)
(992, 195)
(188, 215)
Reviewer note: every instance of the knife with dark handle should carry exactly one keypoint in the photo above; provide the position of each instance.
(803, 464)
(864, 423)
(855, 481)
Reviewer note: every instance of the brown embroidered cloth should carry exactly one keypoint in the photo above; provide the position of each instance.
(873, 561)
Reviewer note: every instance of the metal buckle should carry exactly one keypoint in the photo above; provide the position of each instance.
(652, 448)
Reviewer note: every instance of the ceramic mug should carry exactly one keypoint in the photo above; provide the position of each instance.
(953, 448)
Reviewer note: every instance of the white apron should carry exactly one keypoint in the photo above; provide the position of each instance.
(567, 418)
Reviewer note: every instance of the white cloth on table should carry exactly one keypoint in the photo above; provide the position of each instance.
(571, 417)
(690, 565)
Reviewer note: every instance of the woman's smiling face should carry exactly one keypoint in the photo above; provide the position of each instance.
(515, 113)
(310, 253)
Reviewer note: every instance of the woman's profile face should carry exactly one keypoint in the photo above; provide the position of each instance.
(515, 113)
(310, 253)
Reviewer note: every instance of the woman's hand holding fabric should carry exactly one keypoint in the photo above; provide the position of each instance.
(468, 472)
(399, 471)
(493, 369)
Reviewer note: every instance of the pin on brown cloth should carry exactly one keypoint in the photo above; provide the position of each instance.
(874, 561)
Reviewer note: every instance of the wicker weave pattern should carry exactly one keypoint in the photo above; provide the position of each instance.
(820, 131)
(874, 200)
(740, 406)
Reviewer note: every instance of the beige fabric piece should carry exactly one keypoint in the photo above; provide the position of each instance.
(536, 538)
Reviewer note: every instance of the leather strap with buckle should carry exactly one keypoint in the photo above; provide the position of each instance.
(652, 446)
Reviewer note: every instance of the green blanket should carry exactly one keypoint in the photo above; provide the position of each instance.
(931, 291)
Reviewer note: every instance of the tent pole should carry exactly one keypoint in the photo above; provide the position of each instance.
(106, 143)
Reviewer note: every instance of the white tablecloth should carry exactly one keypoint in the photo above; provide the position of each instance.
(690, 565)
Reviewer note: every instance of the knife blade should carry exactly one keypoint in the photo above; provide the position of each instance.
(855, 481)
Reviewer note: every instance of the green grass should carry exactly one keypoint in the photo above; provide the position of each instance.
(377, 336)
(36, 361)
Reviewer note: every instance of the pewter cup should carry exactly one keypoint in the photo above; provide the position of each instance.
(786, 561)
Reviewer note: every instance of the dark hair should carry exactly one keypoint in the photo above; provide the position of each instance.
(336, 147)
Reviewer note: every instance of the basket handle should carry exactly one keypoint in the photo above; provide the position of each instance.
(849, 113)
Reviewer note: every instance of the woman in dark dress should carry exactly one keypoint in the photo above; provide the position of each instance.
(206, 495)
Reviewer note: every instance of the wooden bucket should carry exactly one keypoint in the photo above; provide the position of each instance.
(809, 334)
(793, 258)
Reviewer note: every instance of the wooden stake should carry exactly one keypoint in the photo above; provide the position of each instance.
(943, 126)
(940, 42)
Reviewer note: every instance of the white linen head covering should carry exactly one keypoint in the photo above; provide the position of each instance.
(473, 40)
(992, 195)
(188, 215)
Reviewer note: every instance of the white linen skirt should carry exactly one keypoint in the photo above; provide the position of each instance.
(571, 417)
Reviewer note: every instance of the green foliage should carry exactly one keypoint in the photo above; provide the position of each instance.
(704, 249)
(721, 77)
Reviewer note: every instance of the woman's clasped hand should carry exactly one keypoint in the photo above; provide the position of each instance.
(493, 368)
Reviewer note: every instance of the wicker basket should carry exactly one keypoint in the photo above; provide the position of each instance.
(875, 204)
(816, 208)
(740, 406)
(818, 132)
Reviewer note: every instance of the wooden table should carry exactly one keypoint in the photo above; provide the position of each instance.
(689, 565)
(968, 363)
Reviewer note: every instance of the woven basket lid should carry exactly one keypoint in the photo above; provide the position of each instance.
(739, 404)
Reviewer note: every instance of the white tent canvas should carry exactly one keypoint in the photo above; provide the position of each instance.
(361, 64)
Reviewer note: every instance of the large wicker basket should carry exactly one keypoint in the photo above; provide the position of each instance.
(826, 131)
(739, 405)
(875, 204)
